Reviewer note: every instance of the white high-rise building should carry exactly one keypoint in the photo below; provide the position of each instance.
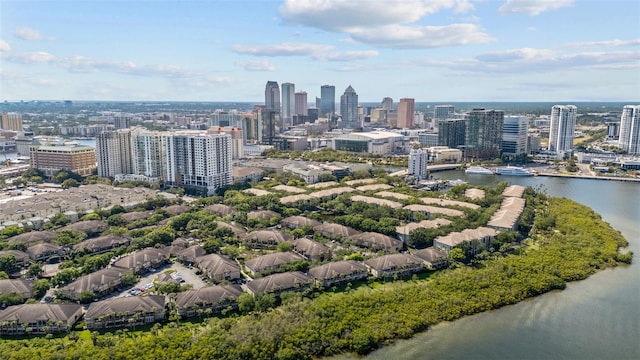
(237, 140)
(288, 103)
(562, 128)
(149, 151)
(113, 153)
(630, 129)
(514, 135)
(199, 161)
(418, 163)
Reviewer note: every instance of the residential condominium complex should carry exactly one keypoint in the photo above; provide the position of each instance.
(190, 159)
(199, 161)
(562, 127)
(483, 134)
(630, 129)
(418, 163)
(113, 151)
(451, 132)
(514, 135)
(406, 109)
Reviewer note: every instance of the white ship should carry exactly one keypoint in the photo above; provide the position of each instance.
(514, 171)
(479, 170)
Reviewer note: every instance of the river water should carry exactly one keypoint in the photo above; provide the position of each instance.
(597, 318)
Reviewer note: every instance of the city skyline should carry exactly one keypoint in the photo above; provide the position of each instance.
(448, 51)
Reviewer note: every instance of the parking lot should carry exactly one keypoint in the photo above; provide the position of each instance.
(187, 274)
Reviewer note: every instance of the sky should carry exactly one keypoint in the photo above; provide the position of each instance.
(437, 50)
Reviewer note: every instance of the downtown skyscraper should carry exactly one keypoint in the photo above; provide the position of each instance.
(630, 129)
(327, 101)
(301, 109)
(406, 109)
(349, 109)
(272, 96)
(562, 128)
(288, 103)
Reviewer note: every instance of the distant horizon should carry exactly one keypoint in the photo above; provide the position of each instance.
(559, 102)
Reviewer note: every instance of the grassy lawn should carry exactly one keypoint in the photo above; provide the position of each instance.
(577, 141)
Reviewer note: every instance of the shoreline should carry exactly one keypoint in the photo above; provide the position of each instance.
(590, 177)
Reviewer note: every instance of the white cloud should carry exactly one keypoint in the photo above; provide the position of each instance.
(284, 49)
(38, 57)
(346, 55)
(257, 65)
(386, 23)
(314, 51)
(4, 46)
(398, 36)
(605, 43)
(82, 64)
(342, 15)
(538, 60)
(532, 28)
(15, 78)
(532, 7)
(26, 33)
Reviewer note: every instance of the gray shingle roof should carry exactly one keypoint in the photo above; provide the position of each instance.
(279, 282)
(392, 261)
(19, 255)
(89, 226)
(261, 263)
(310, 248)
(267, 236)
(218, 266)
(431, 255)
(262, 214)
(94, 280)
(298, 221)
(136, 215)
(208, 295)
(221, 209)
(31, 313)
(141, 257)
(177, 209)
(466, 235)
(235, 228)
(103, 242)
(377, 241)
(131, 304)
(37, 250)
(19, 286)
(336, 230)
(33, 237)
(336, 269)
